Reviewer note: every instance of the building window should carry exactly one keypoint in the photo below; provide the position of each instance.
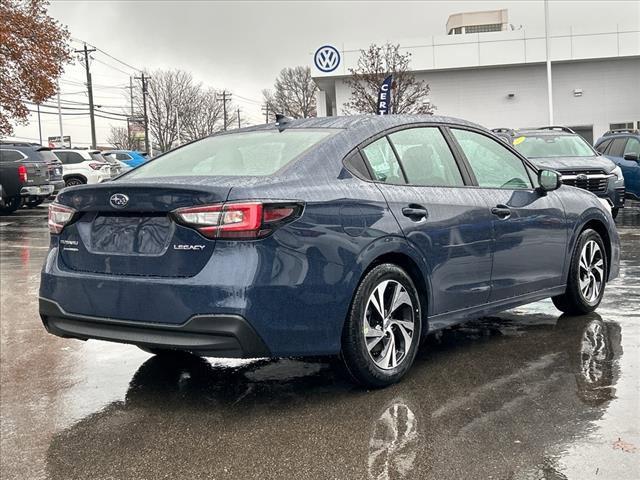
(455, 31)
(621, 126)
(492, 27)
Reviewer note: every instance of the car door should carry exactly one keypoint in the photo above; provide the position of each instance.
(529, 226)
(616, 150)
(448, 223)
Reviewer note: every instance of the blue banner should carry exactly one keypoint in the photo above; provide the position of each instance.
(384, 96)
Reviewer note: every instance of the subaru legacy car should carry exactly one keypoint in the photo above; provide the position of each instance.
(563, 150)
(622, 147)
(349, 236)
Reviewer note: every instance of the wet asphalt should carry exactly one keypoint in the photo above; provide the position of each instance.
(527, 394)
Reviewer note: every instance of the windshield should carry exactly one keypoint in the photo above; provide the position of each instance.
(241, 154)
(541, 146)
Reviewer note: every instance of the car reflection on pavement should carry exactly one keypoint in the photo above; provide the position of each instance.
(535, 383)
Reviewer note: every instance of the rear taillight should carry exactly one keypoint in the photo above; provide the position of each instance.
(59, 217)
(22, 173)
(97, 166)
(241, 220)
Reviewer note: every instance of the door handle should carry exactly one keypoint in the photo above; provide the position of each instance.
(415, 212)
(501, 211)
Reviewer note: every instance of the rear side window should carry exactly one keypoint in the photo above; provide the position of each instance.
(493, 165)
(426, 157)
(383, 162)
(10, 155)
(603, 146)
(258, 153)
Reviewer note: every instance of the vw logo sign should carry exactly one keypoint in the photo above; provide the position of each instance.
(327, 58)
(119, 200)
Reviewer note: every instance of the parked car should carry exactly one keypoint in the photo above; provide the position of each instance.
(622, 147)
(563, 150)
(21, 176)
(343, 235)
(83, 166)
(130, 157)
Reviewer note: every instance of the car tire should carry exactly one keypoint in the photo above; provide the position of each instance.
(615, 211)
(10, 205)
(374, 343)
(73, 181)
(587, 276)
(162, 351)
(33, 202)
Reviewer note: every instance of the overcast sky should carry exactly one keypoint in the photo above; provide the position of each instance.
(242, 46)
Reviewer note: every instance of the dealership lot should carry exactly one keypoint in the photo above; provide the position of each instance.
(525, 394)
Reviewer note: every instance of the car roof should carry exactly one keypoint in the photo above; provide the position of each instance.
(24, 147)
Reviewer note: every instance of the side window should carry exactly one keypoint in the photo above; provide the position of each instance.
(355, 164)
(426, 158)
(10, 155)
(603, 146)
(493, 165)
(617, 147)
(74, 157)
(383, 162)
(633, 146)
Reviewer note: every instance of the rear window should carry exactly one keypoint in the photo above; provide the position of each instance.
(239, 154)
(543, 146)
(48, 156)
(98, 157)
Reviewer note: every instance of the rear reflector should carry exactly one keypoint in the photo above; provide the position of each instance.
(241, 220)
(59, 216)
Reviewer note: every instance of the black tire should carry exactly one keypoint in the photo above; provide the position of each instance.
(357, 359)
(574, 301)
(10, 205)
(162, 351)
(615, 211)
(31, 202)
(73, 181)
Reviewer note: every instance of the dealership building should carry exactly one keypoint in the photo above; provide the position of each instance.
(487, 71)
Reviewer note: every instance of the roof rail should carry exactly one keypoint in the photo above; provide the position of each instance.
(557, 127)
(622, 130)
(503, 130)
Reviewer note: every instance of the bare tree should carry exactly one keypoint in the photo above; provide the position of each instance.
(294, 93)
(121, 137)
(181, 109)
(33, 51)
(374, 65)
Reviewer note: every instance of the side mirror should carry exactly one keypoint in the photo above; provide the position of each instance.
(549, 180)
(631, 156)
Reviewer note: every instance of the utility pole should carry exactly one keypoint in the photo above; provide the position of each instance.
(547, 45)
(60, 117)
(239, 118)
(265, 109)
(144, 81)
(86, 52)
(226, 96)
(39, 125)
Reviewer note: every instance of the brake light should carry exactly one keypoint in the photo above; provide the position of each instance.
(241, 221)
(97, 166)
(22, 174)
(59, 217)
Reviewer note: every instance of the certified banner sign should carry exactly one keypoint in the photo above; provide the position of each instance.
(384, 96)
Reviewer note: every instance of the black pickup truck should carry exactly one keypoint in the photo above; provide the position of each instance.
(21, 177)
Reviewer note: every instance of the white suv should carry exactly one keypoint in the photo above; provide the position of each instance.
(83, 166)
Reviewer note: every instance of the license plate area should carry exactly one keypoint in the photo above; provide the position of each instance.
(130, 234)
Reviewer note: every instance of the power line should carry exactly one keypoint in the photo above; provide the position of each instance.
(108, 55)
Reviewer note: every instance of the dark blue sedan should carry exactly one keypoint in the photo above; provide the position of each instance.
(349, 236)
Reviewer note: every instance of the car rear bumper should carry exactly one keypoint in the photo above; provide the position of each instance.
(211, 335)
(37, 191)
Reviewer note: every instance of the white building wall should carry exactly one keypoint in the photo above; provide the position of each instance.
(611, 93)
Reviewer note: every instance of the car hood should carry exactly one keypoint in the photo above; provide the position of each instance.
(575, 163)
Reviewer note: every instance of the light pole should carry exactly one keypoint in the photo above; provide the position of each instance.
(547, 45)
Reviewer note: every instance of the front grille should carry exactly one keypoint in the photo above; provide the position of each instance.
(595, 181)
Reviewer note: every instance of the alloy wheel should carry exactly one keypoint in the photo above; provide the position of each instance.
(389, 324)
(591, 271)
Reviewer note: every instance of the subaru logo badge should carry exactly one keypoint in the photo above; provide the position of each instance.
(119, 200)
(327, 58)
(582, 177)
